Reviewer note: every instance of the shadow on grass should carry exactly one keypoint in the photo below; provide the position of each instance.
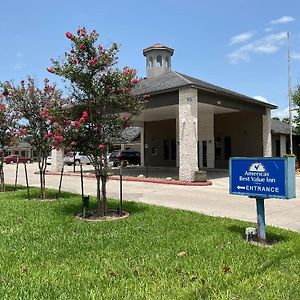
(272, 237)
(76, 207)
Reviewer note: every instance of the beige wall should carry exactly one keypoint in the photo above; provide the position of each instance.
(155, 134)
(245, 131)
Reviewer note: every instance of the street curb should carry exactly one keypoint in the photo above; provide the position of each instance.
(136, 179)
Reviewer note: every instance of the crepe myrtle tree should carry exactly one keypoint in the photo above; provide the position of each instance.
(9, 131)
(40, 110)
(104, 92)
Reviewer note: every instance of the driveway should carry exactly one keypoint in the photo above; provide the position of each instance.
(212, 200)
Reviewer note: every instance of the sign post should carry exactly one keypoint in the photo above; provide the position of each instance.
(262, 178)
(261, 220)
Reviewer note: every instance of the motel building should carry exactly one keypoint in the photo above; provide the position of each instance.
(191, 124)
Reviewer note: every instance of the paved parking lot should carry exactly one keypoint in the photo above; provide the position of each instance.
(211, 200)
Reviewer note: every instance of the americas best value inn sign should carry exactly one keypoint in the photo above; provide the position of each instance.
(263, 177)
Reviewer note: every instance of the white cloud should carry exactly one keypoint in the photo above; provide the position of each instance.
(283, 20)
(241, 38)
(269, 44)
(296, 55)
(268, 29)
(283, 113)
(18, 66)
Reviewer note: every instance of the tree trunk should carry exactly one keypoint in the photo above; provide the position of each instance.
(99, 201)
(104, 168)
(42, 171)
(2, 184)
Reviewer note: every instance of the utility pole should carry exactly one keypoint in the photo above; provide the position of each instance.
(290, 95)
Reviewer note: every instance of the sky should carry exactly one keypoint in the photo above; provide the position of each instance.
(237, 44)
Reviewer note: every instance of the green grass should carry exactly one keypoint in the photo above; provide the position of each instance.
(45, 253)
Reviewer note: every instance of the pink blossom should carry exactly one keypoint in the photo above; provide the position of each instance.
(51, 119)
(2, 108)
(81, 31)
(22, 131)
(81, 47)
(69, 35)
(75, 61)
(81, 120)
(58, 137)
(92, 61)
(77, 123)
(85, 114)
(72, 144)
(134, 81)
(101, 146)
(45, 113)
(51, 70)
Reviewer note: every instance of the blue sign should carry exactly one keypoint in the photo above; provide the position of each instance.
(263, 177)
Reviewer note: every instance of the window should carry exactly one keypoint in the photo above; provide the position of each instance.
(158, 61)
(150, 62)
(167, 62)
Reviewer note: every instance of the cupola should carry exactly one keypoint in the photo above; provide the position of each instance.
(158, 59)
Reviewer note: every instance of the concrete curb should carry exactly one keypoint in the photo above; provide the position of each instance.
(135, 179)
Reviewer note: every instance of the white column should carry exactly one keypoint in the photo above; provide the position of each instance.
(267, 140)
(188, 133)
(57, 160)
(142, 145)
(283, 149)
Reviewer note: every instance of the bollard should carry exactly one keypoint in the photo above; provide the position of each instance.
(85, 204)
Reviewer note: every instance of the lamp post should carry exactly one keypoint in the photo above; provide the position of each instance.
(290, 95)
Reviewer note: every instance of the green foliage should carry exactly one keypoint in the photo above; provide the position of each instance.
(296, 100)
(104, 92)
(38, 109)
(54, 256)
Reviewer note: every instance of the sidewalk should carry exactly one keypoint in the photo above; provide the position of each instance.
(212, 200)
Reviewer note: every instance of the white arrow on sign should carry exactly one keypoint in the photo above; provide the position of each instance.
(241, 187)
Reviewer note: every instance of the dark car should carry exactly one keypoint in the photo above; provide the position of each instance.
(16, 158)
(129, 156)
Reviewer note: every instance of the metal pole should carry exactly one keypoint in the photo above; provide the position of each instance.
(121, 189)
(290, 95)
(26, 176)
(60, 181)
(17, 171)
(261, 221)
(81, 176)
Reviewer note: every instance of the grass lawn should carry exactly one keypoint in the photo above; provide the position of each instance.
(45, 253)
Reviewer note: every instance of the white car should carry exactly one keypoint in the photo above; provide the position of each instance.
(79, 158)
(49, 160)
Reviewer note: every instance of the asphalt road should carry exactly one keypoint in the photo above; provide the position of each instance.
(212, 200)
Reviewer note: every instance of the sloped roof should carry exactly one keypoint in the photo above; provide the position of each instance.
(171, 81)
(279, 127)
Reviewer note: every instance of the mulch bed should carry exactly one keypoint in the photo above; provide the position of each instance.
(94, 216)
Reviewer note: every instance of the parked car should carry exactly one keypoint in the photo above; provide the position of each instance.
(129, 156)
(49, 160)
(80, 158)
(16, 158)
